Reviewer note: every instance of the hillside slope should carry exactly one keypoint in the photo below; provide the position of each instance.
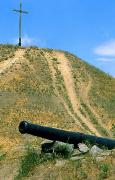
(52, 88)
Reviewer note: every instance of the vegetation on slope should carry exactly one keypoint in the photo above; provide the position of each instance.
(7, 51)
(27, 91)
(101, 95)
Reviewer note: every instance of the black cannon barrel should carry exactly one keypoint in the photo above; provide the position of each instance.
(64, 136)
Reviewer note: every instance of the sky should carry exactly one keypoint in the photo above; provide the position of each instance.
(83, 27)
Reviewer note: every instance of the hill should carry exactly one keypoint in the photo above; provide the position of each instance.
(53, 88)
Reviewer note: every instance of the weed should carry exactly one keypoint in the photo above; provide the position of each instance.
(82, 175)
(28, 162)
(93, 119)
(104, 169)
(2, 157)
(7, 51)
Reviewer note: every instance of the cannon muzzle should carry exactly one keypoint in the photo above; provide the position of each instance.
(64, 136)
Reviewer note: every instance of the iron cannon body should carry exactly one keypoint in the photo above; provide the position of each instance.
(64, 136)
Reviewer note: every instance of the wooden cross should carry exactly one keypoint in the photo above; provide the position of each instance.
(20, 22)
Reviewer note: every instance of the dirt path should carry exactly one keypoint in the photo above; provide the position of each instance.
(53, 72)
(65, 69)
(4, 66)
(85, 96)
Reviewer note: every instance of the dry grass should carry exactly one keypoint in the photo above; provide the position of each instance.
(27, 92)
(87, 168)
(7, 51)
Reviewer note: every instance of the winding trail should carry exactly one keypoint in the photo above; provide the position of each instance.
(6, 65)
(65, 69)
(85, 96)
(53, 72)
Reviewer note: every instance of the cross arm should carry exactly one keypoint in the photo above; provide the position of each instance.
(16, 10)
(25, 12)
(20, 11)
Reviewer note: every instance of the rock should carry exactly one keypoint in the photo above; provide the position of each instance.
(46, 141)
(76, 152)
(60, 163)
(57, 147)
(47, 146)
(106, 153)
(76, 158)
(113, 152)
(83, 148)
(100, 159)
(95, 150)
(64, 149)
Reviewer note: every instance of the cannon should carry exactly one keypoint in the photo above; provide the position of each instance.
(64, 136)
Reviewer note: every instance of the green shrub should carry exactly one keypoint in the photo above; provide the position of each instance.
(104, 169)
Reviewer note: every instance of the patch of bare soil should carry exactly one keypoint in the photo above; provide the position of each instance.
(65, 69)
(53, 72)
(8, 170)
(6, 65)
(85, 95)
